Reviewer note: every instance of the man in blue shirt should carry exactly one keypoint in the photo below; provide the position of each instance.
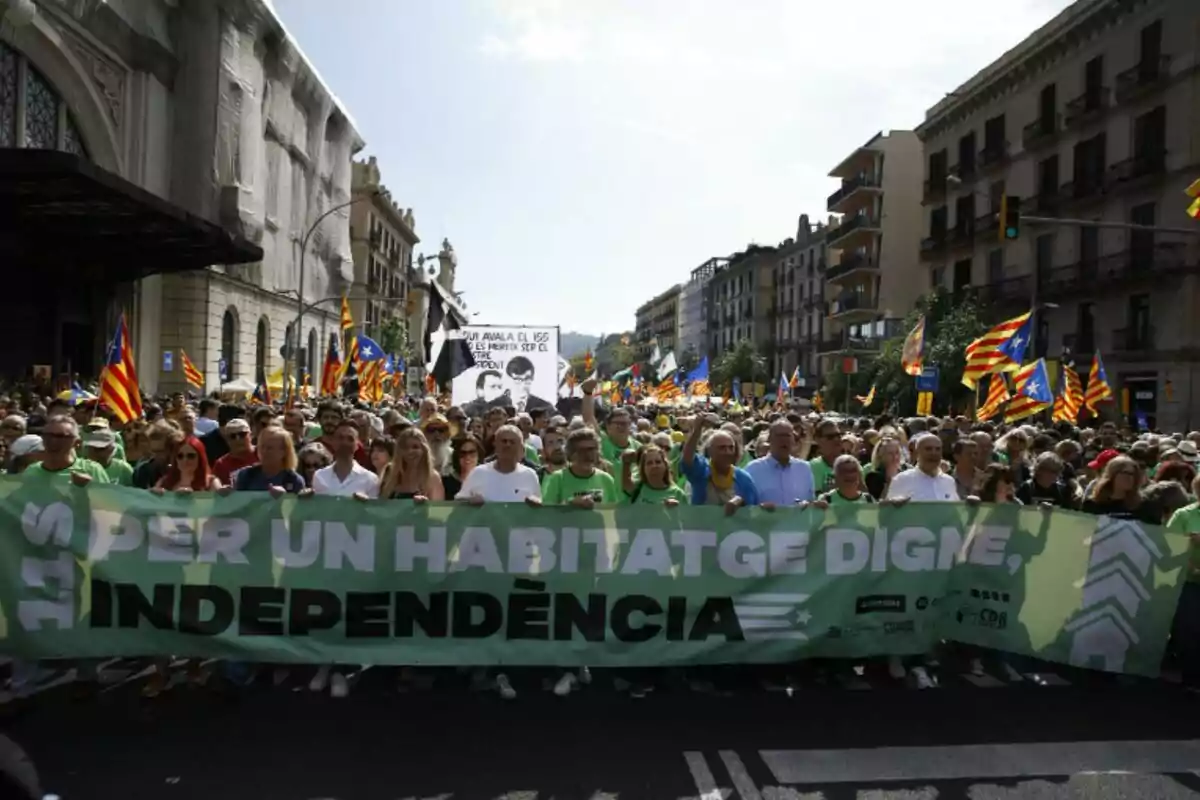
(716, 480)
(782, 479)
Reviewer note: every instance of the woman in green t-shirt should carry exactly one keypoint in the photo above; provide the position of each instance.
(654, 484)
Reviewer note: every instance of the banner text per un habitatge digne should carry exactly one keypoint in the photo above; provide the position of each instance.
(109, 571)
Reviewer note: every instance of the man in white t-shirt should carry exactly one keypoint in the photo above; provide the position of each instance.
(504, 479)
(345, 477)
(924, 483)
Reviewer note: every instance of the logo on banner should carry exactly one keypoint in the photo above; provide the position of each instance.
(1113, 590)
(772, 616)
(872, 603)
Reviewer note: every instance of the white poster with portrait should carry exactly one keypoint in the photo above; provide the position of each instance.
(514, 366)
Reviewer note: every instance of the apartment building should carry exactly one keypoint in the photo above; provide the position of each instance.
(693, 309)
(741, 292)
(1092, 117)
(382, 238)
(658, 321)
(797, 311)
(874, 276)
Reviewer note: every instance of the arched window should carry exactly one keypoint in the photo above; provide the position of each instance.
(314, 359)
(260, 348)
(41, 114)
(229, 345)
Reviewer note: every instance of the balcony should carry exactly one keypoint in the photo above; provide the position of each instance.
(935, 190)
(838, 202)
(1151, 164)
(1078, 344)
(1084, 189)
(934, 247)
(1086, 108)
(1142, 79)
(993, 298)
(852, 232)
(1116, 273)
(962, 234)
(964, 172)
(1133, 340)
(852, 263)
(1047, 201)
(993, 156)
(1041, 132)
(987, 225)
(788, 308)
(816, 301)
(853, 305)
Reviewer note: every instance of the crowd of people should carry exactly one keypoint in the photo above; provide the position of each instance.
(423, 449)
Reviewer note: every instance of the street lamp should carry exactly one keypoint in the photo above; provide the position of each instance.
(371, 194)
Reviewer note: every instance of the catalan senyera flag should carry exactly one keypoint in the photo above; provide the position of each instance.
(193, 376)
(1098, 387)
(118, 382)
(794, 381)
(866, 399)
(997, 396)
(912, 355)
(1070, 396)
(1031, 385)
(587, 360)
(1002, 349)
(1193, 192)
(818, 402)
(668, 389)
(262, 390)
(331, 370)
(347, 317)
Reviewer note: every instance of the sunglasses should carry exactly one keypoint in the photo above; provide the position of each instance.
(313, 465)
(58, 436)
(471, 452)
(444, 431)
(239, 435)
(187, 456)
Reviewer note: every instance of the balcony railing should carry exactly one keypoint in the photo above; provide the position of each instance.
(1046, 201)
(849, 187)
(1040, 132)
(932, 246)
(987, 224)
(993, 155)
(848, 227)
(849, 264)
(1133, 339)
(1085, 107)
(816, 301)
(964, 172)
(1142, 78)
(1151, 163)
(853, 302)
(1079, 344)
(1087, 187)
(1003, 293)
(962, 234)
(1116, 272)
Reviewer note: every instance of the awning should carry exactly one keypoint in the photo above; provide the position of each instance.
(59, 211)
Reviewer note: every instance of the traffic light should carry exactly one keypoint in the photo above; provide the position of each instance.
(1010, 218)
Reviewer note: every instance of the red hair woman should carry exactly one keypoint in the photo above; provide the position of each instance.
(188, 470)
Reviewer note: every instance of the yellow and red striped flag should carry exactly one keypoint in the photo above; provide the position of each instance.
(1002, 349)
(912, 355)
(1098, 388)
(997, 396)
(193, 376)
(866, 399)
(347, 317)
(118, 382)
(1070, 396)
(1193, 192)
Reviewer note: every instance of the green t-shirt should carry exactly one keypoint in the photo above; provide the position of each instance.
(1187, 520)
(610, 451)
(648, 495)
(36, 471)
(835, 498)
(559, 488)
(119, 472)
(532, 454)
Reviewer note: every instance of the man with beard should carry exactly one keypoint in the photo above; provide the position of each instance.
(489, 391)
(437, 432)
(329, 414)
(554, 456)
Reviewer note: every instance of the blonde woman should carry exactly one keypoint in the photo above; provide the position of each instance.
(887, 460)
(411, 475)
(1117, 493)
(275, 471)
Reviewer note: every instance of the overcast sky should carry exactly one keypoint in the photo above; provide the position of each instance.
(584, 155)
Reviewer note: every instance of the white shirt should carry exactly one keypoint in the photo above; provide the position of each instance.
(360, 479)
(917, 485)
(495, 486)
(205, 425)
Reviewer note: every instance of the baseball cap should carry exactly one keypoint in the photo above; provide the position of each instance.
(1101, 461)
(24, 445)
(99, 438)
(238, 425)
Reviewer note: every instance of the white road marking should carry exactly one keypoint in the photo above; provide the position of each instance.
(981, 761)
(742, 781)
(702, 776)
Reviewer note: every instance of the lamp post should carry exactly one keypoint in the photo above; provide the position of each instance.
(300, 306)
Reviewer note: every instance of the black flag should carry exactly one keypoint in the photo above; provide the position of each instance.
(454, 357)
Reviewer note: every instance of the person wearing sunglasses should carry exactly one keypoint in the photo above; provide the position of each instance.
(241, 451)
(189, 470)
(60, 459)
(313, 456)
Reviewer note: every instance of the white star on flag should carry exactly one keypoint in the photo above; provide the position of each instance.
(1033, 388)
(367, 351)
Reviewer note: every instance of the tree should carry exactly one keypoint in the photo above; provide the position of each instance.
(743, 361)
(950, 325)
(393, 338)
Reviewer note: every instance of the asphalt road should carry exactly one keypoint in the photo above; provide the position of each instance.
(1073, 736)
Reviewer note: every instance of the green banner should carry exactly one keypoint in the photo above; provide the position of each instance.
(109, 571)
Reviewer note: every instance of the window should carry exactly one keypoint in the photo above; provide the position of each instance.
(1150, 45)
(936, 277)
(261, 343)
(1089, 249)
(966, 155)
(995, 266)
(1093, 82)
(994, 141)
(1043, 257)
(44, 122)
(229, 345)
(1048, 108)
(1150, 135)
(962, 274)
(274, 155)
(937, 168)
(1047, 178)
(937, 222)
(1141, 243)
(1086, 329)
(1139, 321)
(314, 358)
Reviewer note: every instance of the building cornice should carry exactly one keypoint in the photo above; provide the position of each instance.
(1050, 44)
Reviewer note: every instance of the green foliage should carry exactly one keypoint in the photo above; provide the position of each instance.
(950, 325)
(393, 336)
(743, 361)
(609, 355)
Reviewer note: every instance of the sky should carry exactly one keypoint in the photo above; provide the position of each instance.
(583, 156)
